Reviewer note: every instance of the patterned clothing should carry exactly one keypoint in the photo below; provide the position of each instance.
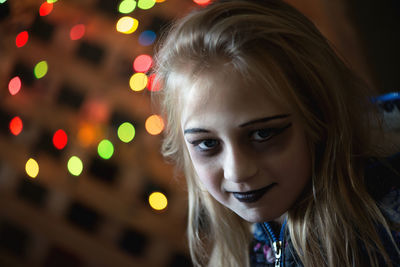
(383, 183)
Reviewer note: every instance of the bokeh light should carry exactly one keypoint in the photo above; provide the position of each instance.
(158, 201)
(202, 2)
(16, 125)
(126, 132)
(51, 1)
(21, 39)
(160, 1)
(127, 6)
(40, 69)
(77, 32)
(60, 139)
(105, 149)
(127, 25)
(152, 85)
(142, 63)
(146, 4)
(45, 9)
(87, 134)
(147, 38)
(32, 168)
(75, 166)
(154, 125)
(138, 81)
(2, 1)
(14, 85)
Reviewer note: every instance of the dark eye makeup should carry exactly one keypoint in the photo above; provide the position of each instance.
(209, 145)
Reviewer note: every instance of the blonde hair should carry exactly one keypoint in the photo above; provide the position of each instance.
(275, 45)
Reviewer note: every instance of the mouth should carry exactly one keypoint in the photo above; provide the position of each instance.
(252, 196)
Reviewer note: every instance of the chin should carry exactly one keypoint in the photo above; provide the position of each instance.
(254, 217)
(258, 215)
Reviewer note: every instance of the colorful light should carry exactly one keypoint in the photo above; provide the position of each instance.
(21, 39)
(126, 132)
(40, 69)
(75, 166)
(16, 125)
(77, 32)
(154, 125)
(14, 85)
(60, 139)
(127, 6)
(127, 25)
(158, 201)
(152, 85)
(147, 38)
(3, 1)
(105, 149)
(146, 4)
(45, 9)
(138, 81)
(87, 134)
(51, 1)
(142, 63)
(202, 2)
(160, 1)
(32, 168)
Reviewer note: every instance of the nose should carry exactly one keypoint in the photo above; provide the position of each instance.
(239, 164)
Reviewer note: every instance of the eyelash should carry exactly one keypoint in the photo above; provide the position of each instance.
(272, 133)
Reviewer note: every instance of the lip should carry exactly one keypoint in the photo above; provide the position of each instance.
(252, 196)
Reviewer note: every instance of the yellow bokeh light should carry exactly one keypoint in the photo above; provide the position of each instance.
(127, 25)
(138, 81)
(32, 168)
(154, 124)
(160, 1)
(158, 201)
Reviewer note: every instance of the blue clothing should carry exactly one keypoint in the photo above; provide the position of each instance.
(383, 183)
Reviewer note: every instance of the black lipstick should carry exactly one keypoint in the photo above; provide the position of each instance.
(252, 196)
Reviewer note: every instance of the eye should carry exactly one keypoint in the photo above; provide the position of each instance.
(206, 145)
(262, 135)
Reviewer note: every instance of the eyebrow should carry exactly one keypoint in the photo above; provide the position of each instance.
(264, 119)
(200, 130)
(195, 130)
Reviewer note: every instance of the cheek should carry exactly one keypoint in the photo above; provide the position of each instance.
(206, 172)
(292, 165)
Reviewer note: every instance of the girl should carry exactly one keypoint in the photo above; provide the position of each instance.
(273, 130)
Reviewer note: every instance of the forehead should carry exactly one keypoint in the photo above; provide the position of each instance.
(230, 97)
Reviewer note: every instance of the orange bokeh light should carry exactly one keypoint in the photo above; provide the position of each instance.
(154, 125)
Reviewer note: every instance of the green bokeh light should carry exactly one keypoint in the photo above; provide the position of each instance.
(2, 1)
(51, 1)
(75, 166)
(40, 69)
(127, 6)
(126, 132)
(146, 4)
(105, 149)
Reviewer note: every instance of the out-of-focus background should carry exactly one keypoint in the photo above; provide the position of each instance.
(82, 182)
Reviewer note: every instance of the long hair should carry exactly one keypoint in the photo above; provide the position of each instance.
(274, 45)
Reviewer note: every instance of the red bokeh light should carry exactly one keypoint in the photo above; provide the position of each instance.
(22, 39)
(150, 84)
(45, 9)
(202, 2)
(77, 32)
(16, 125)
(60, 139)
(142, 63)
(14, 85)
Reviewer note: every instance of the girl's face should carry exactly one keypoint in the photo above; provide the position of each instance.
(248, 152)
